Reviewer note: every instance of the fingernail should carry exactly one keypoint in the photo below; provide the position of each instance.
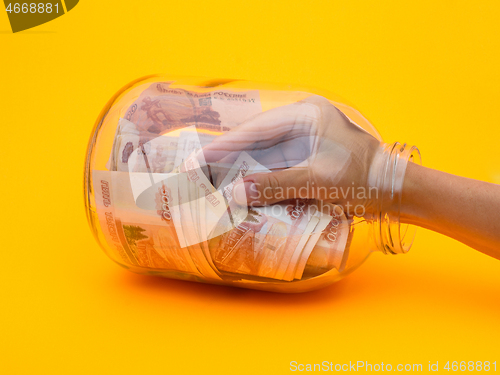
(240, 192)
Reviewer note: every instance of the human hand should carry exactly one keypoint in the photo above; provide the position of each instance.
(313, 151)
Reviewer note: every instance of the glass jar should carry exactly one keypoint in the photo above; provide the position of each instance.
(159, 195)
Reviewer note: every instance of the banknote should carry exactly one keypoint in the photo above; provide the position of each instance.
(152, 156)
(165, 214)
(165, 106)
(191, 140)
(245, 249)
(324, 218)
(331, 249)
(197, 201)
(104, 199)
(297, 219)
(135, 151)
(278, 241)
(201, 210)
(190, 225)
(141, 155)
(121, 127)
(260, 246)
(169, 227)
(146, 238)
(261, 258)
(299, 250)
(217, 216)
(296, 214)
(243, 165)
(163, 109)
(332, 242)
(327, 227)
(325, 213)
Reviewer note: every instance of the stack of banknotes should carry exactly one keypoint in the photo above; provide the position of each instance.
(161, 205)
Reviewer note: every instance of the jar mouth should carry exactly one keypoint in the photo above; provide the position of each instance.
(394, 237)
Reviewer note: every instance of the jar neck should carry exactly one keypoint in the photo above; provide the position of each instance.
(387, 174)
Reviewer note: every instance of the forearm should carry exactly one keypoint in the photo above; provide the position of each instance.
(464, 209)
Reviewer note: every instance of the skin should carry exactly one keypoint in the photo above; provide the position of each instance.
(345, 156)
(458, 207)
(342, 155)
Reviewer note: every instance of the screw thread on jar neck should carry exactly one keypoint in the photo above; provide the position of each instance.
(392, 237)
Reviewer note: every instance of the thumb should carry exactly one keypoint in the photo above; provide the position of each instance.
(262, 189)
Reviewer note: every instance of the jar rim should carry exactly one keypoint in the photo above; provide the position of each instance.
(394, 237)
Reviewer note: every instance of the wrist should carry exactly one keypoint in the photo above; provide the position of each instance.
(409, 199)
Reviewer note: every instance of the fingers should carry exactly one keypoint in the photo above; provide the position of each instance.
(262, 189)
(265, 130)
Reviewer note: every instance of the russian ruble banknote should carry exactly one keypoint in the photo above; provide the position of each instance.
(194, 227)
(150, 153)
(276, 241)
(164, 107)
(326, 248)
(135, 151)
(147, 137)
(161, 236)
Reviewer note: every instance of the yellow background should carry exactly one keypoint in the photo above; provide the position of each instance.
(425, 73)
